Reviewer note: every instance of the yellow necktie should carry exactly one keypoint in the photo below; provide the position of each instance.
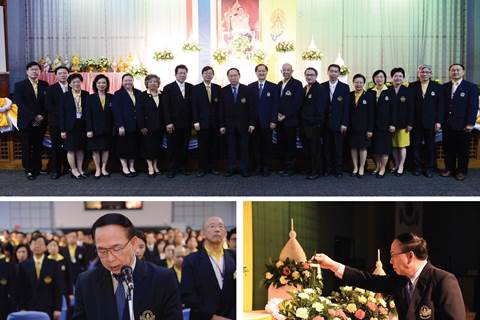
(38, 268)
(102, 102)
(35, 88)
(209, 93)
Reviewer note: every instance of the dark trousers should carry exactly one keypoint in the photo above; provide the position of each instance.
(456, 144)
(177, 147)
(287, 142)
(423, 143)
(57, 156)
(313, 146)
(333, 151)
(237, 139)
(32, 138)
(262, 146)
(208, 148)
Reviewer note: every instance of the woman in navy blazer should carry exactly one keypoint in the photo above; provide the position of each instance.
(99, 119)
(124, 109)
(72, 124)
(151, 123)
(360, 128)
(384, 124)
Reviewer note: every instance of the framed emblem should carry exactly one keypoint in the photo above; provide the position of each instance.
(386, 98)
(403, 99)
(364, 101)
(288, 93)
(147, 315)
(462, 94)
(309, 96)
(3, 282)
(268, 94)
(243, 100)
(425, 312)
(433, 93)
(340, 99)
(47, 280)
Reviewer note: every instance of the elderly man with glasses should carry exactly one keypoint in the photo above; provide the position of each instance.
(421, 291)
(101, 293)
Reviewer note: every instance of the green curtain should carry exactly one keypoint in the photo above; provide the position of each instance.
(382, 34)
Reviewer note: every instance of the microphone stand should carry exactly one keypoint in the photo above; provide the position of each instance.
(130, 303)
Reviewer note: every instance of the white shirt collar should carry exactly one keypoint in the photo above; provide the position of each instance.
(262, 82)
(181, 85)
(333, 84)
(414, 279)
(236, 87)
(207, 85)
(457, 83)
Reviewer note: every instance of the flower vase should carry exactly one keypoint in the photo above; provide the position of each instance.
(282, 292)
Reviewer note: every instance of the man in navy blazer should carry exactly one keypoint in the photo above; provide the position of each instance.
(101, 293)
(237, 121)
(29, 95)
(264, 96)
(177, 108)
(421, 291)
(290, 102)
(338, 94)
(52, 106)
(205, 104)
(39, 283)
(208, 276)
(428, 119)
(461, 106)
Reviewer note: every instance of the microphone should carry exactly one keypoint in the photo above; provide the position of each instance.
(128, 276)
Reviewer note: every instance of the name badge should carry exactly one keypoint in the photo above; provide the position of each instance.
(364, 101)
(340, 99)
(147, 315)
(3, 282)
(462, 94)
(433, 93)
(402, 99)
(47, 280)
(425, 312)
(309, 96)
(243, 100)
(386, 98)
(268, 94)
(288, 93)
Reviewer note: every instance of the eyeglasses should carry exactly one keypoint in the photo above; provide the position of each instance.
(397, 253)
(214, 226)
(103, 252)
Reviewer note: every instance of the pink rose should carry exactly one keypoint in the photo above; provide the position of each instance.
(360, 314)
(332, 312)
(372, 306)
(306, 266)
(318, 318)
(286, 271)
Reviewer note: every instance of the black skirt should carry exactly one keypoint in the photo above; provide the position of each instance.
(99, 143)
(382, 142)
(358, 140)
(76, 138)
(127, 146)
(152, 145)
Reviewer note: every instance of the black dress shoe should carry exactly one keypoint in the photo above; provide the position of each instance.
(133, 173)
(353, 174)
(187, 172)
(338, 175)
(313, 177)
(245, 174)
(170, 174)
(288, 173)
(266, 173)
(97, 177)
(200, 174)
(54, 176)
(428, 174)
(416, 173)
(228, 173)
(30, 176)
(215, 172)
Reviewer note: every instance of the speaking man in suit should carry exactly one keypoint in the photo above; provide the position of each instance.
(338, 102)
(461, 105)
(29, 95)
(205, 104)
(264, 96)
(177, 108)
(428, 119)
(237, 121)
(39, 284)
(101, 293)
(421, 291)
(291, 96)
(208, 276)
(52, 106)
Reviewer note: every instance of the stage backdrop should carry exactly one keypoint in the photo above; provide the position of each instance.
(363, 34)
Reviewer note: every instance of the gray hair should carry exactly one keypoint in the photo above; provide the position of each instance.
(424, 66)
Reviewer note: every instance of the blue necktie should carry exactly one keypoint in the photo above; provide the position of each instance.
(120, 296)
(260, 90)
(234, 89)
(409, 291)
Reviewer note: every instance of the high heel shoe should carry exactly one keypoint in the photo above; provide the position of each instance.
(353, 174)
(79, 177)
(128, 175)
(380, 176)
(151, 175)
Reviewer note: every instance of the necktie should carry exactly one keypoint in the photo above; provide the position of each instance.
(209, 93)
(307, 88)
(38, 268)
(454, 88)
(332, 90)
(260, 90)
(409, 291)
(120, 297)
(35, 88)
(234, 91)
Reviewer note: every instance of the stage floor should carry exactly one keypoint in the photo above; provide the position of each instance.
(14, 183)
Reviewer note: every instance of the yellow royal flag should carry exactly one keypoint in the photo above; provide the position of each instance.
(247, 256)
(278, 21)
